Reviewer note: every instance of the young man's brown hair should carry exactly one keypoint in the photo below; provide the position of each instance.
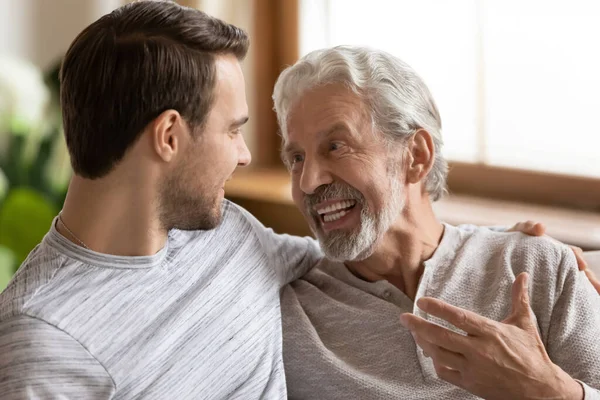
(128, 67)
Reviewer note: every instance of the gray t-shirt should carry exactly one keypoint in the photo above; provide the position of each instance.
(342, 337)
(198, 320)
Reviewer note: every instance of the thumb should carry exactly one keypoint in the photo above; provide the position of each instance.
(592, 278)
(520, 310)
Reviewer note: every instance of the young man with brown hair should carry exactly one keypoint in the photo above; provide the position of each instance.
(150, 284)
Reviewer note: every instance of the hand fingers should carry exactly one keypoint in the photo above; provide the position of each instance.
(465, 320)
(537, 229)
(518, 227)
(433, 333)
(440, 355)
(520, 294)
(449, 375)
(593, 279)
(521, 314)
(581, 263)
(530, 228)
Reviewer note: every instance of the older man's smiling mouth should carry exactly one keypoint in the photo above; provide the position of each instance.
(331, 211)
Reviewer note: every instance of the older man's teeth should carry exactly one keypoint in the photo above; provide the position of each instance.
(340, 205)
(335, 217)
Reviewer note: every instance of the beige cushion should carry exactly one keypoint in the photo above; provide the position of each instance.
(593, 260)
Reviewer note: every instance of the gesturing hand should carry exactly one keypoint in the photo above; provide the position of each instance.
(495, 360)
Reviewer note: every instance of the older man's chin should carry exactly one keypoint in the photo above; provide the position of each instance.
(344, 246)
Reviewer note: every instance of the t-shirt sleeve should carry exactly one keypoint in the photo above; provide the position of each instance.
(575, 326)
(290, 256)
(40, 361)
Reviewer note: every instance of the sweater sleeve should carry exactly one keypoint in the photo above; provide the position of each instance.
(40, 361)
(574, 327)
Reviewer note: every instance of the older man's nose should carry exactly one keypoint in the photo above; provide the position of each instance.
(313, 176)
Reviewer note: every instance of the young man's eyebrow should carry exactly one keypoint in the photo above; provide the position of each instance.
(238, 122)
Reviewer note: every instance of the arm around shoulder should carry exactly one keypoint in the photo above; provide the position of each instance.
(38, 360)
(574, 328)
(291, 256)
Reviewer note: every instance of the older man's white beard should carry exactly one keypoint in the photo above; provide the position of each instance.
(357, 246)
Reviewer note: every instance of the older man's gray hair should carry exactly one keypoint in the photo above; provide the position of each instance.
(399, 101)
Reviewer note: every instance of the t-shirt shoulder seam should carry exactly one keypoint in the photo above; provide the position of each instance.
(63, 260)
(247, 216)
(71, 336)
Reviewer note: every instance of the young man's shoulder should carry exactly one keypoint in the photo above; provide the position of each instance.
(36, 273)
(235, 216)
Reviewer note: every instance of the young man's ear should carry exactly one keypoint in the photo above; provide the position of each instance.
(166, 134)
(420, 156)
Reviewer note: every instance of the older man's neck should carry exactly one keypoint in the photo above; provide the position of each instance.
(400, 255)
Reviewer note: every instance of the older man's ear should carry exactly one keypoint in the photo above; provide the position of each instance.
(420, 155)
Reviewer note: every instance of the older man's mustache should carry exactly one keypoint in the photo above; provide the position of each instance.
(334, 190)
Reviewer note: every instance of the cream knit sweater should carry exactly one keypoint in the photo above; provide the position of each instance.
(343, 339)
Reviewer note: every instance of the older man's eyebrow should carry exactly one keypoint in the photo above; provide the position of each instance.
(340, 126)
(289, 148)
(238, 122)
(292, 147)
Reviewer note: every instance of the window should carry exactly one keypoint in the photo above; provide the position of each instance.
(517, 82)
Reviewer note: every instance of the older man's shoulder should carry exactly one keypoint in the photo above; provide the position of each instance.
(520, 251)
(327, 270)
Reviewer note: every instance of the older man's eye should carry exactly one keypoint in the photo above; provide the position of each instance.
(294, 161)
(334, 146)
(297, 158)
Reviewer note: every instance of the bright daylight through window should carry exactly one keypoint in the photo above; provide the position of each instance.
(517, 82)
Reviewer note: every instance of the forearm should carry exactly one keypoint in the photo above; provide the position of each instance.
(565, 386)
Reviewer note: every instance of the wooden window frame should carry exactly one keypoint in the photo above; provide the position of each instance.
(276, 45)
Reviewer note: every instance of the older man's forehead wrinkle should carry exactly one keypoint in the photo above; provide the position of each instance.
(319, 137)
(322, 113)
(339, 126)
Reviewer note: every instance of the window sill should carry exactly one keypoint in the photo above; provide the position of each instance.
(269, 188)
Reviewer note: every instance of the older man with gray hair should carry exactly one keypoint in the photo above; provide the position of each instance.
(406, 306)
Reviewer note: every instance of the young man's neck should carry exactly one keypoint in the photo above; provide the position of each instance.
(112, 216)
(401, 253)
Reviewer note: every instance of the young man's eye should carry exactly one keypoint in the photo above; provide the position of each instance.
(297, 158)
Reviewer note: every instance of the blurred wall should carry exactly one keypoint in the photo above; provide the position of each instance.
(241, 14)
(41, 31)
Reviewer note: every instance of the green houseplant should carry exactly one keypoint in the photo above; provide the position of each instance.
(34, 162)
